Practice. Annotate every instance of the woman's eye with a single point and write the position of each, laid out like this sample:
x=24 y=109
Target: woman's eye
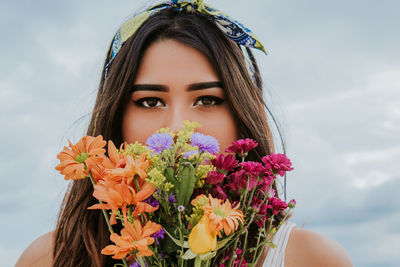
x=148 y=102
x=208 y=101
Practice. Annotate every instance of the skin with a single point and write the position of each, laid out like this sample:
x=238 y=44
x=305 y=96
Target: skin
x=176 y=66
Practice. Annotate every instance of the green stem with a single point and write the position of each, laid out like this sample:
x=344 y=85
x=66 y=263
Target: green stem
x=137 y=184
x=181 y=236
x=231 y=258
x=258 y=242
x=264 y=243
x=197 y=262
x=141 y=261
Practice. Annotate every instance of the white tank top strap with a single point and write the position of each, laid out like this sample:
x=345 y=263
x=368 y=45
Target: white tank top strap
x=276 y=256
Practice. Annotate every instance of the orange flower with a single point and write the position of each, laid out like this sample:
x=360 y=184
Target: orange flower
x=120 y=195
x=88 y=150
x=114 y=160
x=127 y=168
x=222 y=216
x=133 y=237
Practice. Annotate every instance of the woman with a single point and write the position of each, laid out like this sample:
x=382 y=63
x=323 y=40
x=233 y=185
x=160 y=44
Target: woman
x=177 y=65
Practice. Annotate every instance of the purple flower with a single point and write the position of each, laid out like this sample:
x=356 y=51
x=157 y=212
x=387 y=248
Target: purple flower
x=152 y=201
x=186 y=155
x=159 y=142
x=136 y=264
x=171 y=198
x=158 y=234
x=206 y=143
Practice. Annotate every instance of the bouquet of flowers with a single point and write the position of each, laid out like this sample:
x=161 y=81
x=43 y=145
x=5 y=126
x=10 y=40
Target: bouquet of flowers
x=179 y=201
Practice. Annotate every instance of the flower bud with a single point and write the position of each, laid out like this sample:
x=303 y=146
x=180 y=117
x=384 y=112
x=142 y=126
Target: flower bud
x=292 y=203
x=201 y=239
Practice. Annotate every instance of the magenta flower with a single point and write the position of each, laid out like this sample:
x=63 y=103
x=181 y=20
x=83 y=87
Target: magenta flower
x=278 y=163
x=218 y=192
x=227 y=163
x=239 y=181
x=252 y=168
x=236 y=262
x=260 y=220
x=276 y=205
x=214 y=177
x=241 y=146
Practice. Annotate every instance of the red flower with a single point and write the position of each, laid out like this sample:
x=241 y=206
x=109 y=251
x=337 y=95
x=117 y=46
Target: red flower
x=218 y=192
x=239 y=180
x=214 y=177
x=252 y=168
x=276 y=205
x=225 y=162
x=242 y=146
x=278 y=163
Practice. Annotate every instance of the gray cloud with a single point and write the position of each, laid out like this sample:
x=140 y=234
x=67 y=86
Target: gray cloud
x=333 y=75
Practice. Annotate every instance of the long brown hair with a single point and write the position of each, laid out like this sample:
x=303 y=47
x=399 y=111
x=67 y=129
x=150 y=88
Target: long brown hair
x=80 y=234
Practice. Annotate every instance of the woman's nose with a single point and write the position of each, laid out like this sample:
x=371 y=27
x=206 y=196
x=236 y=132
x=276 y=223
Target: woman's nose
x=175 y=117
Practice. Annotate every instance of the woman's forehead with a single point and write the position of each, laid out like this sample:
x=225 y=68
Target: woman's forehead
x=169 y=61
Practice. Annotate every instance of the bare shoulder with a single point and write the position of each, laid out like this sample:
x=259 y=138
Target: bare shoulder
x=308 y=248
x=39 y=252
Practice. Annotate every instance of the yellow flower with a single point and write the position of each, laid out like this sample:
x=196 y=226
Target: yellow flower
x=202 y=239
x=202 y=170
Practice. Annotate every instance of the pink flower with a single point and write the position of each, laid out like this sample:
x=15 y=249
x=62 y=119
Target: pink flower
x=239 y=180
x=276 y=205
x=260 y=220
x=278 y=163
x=227 y=163
x=252 y=168
x=264 y=185
x=242 y=146
x=214 y=177
x=236 y=261
x=218 y=192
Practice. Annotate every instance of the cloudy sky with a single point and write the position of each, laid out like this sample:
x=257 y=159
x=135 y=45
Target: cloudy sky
x=333 y=79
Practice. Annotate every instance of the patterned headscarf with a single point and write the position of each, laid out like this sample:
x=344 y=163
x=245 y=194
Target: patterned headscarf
x=229 y=26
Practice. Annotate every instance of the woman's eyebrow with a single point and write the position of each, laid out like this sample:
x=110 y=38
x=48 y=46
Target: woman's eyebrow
x=164 y=88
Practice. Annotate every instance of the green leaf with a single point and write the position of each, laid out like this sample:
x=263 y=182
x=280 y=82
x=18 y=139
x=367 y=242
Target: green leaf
x=208 y=256
x=177 y=241
x=272 y=245
x=223 y=242
x=189 y=255
x=187 y=182
x=169 y=173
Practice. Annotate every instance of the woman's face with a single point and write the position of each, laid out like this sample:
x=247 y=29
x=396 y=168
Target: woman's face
x=174 y=83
